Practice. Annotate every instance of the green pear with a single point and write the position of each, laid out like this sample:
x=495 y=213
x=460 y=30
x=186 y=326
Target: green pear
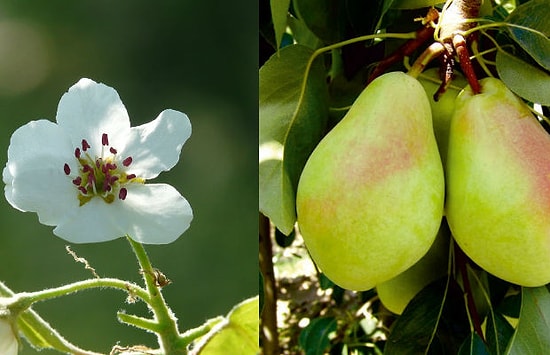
x=442 y=110
x=498 y=184
x=370 y=198
x=397 y=292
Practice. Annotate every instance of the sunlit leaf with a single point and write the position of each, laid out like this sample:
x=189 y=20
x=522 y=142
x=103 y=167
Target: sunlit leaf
x=534 y=15
x=532 y=334
x=525 y=80
x=236 y=334
x=314 y=339
x=293 y=114
x=279 y=11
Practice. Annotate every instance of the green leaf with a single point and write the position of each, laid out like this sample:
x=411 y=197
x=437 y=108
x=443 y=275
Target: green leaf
x=525 y=80
x=473 y=345
x=322 y=17
x=532 y=334
x=433 y=322
x=279 y=11
x=236 y=334
x=533 y=14
x=293 y=115
x=314 y=339
x=498 y=333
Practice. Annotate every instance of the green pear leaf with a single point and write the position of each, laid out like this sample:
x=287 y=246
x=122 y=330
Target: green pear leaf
x=532 y=334
x=236 y=334
x=525 y=80
x=322 y=17
x=473 y=345
x=314 y=339
x=498 y=333
x=293 y=115
x=279 y=11
x=533 y=15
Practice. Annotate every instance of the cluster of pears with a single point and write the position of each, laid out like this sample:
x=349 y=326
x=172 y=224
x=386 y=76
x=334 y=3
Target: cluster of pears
x=373 y=193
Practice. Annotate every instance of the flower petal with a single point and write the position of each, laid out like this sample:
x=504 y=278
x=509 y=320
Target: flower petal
x=90 y=109
x=157 y=214
x=8 y=341
x=150 y=214
x=34 y=176
x=156 y=146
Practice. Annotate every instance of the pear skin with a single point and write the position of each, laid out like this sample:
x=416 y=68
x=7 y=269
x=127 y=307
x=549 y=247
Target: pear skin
x=498 y=185
x=370 y=197
x=396 y=293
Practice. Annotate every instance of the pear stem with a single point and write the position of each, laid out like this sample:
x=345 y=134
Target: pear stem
x=462 y=262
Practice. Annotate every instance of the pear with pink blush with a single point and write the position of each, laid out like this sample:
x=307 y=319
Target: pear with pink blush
x=370 y=197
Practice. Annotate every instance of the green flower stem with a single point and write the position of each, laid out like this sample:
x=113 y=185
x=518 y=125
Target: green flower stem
x=40 y=333
x=139 y=322
x=192 y=334
x=23 y=300
x=168 y=334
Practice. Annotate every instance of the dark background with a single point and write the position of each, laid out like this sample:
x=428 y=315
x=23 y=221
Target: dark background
x=198 y=57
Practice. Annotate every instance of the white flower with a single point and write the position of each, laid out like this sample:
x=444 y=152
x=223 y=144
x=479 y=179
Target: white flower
x=8 y=342
x=86 y=173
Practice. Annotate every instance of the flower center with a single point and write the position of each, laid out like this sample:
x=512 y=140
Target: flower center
x=104 y=176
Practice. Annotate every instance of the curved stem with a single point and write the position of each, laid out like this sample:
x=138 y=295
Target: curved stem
x=168 y=335
x=23 y=300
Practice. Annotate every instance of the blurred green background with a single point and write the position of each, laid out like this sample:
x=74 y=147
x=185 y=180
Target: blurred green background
x=199 y=57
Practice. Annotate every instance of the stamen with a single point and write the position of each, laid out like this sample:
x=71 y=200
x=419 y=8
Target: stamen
x=77 y=153
x=67 y=169
x=130 y=176
x=77 y=181
x=113 y=150
x=85 y=145
x=122 y=193
x=104 y=139
x=126 y=162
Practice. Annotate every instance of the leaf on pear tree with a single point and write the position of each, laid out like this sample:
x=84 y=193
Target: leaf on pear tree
x=279 y=11
x=534 y=15
x=314 y=338
x=322 y=17
x=525 y=80
x=293 y=115
x=235 y=334
x=498 y=333
x=433 y=322
x=532 y=334
x=473 y=345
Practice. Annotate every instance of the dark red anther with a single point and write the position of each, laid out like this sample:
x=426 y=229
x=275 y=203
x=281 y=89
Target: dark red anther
x=122 y=193
x=130 y=176
x=77 y=153
x=86 y=168
x=104 y=139
x=113 y=179
x=85 y=145
x=67 y=169
x=112 y=150
x=106 y=185
x=77 y=181
x=126 y=162
x=111 y=166
x=83 y=190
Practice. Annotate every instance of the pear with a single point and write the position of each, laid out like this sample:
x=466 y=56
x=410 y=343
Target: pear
x=397 y=292
x=370 y=197
x=442 y=110
x=498 y=184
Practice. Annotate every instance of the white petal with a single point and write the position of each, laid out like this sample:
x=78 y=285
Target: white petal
x=34 y=176
x=156 y=214
x=156 y=146
x=92 y=222
x=8 y=341
x=90 y=109
x=150 y=214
